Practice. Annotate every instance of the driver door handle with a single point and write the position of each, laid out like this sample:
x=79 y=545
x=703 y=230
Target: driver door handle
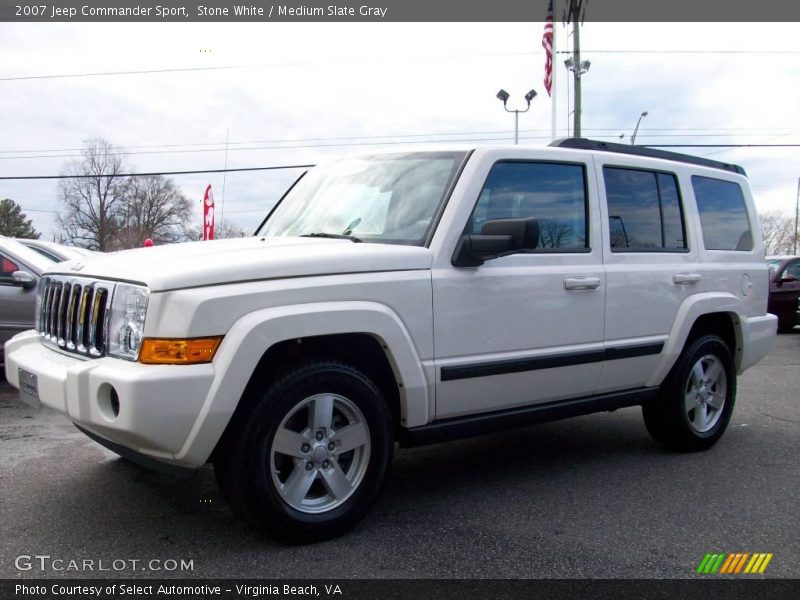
x=581 y=283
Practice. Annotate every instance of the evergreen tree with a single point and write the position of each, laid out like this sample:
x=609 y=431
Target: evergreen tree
x=14 y=223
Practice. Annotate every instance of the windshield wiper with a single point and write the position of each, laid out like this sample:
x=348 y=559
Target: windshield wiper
x=337 y=236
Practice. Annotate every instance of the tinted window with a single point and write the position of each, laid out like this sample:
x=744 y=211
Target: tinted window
x=7 y=268
x=553 y=193
x=793 y=269
x=723 y=215
x=644 y=210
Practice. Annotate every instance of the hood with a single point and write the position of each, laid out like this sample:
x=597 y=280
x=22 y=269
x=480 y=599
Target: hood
x=195 y=264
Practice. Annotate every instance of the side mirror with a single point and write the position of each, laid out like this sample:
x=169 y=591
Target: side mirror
x=497 y=238
x=787 y=278
x=23 y=279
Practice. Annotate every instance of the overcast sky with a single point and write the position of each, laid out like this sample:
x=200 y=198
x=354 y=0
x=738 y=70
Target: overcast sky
x=298 y=93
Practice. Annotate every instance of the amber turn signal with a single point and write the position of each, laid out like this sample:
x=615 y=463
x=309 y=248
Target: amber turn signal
x=178 y=352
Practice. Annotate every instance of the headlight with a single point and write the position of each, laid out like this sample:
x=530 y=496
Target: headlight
x=126 y=322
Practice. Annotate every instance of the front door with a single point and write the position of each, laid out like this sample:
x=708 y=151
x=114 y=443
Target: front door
x=525 y=328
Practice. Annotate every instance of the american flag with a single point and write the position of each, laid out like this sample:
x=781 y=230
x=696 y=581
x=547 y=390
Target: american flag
x=547 y=44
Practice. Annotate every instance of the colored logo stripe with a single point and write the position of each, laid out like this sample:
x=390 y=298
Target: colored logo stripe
x=734 y=563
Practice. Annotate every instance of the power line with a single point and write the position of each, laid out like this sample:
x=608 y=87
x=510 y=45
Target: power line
x=105 y=73
x=684 y=51
x=308 y=166
x=252 y=66
x=197 y=172
x=290 y=146
x=290 y=140
x=756 y=131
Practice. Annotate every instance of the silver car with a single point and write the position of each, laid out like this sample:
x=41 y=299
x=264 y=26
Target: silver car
x=20 y=269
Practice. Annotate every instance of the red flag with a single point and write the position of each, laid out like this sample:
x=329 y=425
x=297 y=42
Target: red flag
x=547 y=44
x=208 y=214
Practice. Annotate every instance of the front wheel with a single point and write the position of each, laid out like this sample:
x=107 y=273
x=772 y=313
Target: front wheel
x=696 y=399
x=308 y=458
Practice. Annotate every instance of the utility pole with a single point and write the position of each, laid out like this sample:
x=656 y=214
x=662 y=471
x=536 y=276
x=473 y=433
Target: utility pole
x=574 y=63
x=576 y=57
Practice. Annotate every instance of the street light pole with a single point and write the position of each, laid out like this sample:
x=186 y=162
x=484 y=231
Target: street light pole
x=504 y=96
x=636 y=130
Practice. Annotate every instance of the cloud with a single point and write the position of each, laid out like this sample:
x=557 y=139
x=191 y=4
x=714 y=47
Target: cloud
x=321 y=82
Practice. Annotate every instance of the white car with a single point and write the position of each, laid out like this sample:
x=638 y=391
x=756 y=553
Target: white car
x=412 y=298
x=54 y=251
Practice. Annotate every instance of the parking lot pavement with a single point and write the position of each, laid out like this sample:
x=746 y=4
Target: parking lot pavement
x=589 y=497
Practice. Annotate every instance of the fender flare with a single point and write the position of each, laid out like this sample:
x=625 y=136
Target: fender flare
x=253 y=334
x=692 y=308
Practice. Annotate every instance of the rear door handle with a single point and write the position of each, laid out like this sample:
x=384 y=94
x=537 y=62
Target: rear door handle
x=686 y=278
x=581 y=283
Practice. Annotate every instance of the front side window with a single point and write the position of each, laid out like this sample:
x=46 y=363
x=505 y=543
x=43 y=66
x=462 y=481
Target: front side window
x=723 y=215
x=552 y=193
x=7 y=268
x=385 y=199
x=644 y=210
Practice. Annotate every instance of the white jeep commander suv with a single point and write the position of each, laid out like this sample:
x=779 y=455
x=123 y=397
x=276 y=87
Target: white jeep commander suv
x=414 y=298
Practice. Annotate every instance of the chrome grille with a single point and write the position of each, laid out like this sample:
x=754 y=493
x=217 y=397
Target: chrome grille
x=73 y=313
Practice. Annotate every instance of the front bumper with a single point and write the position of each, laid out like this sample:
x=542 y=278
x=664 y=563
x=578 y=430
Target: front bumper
x=158 y=405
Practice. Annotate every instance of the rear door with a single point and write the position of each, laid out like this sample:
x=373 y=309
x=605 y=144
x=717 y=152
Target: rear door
x=650 y=265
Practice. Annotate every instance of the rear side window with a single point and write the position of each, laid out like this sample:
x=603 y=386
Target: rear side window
x=644 y=211
x=723 y=215
x=553 y=193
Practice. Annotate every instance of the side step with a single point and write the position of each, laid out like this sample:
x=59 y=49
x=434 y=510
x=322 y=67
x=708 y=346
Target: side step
x=456 y=428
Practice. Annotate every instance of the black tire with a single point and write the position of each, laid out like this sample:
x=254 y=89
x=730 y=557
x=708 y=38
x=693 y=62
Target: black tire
x=243 y=461
x=785 y=327
x=667 y=419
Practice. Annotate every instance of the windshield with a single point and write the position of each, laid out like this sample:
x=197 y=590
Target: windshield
x=387 y=199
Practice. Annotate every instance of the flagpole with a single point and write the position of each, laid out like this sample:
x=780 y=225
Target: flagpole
x=553 y=104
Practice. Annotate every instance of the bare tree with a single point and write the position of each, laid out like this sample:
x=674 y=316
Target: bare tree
x=553 y=234
x=94 y=201
x=227 y=229
x=154 y=208
x=777 y=229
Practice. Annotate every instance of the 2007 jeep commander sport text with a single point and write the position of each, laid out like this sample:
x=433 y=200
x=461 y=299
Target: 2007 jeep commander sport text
x=412 y=298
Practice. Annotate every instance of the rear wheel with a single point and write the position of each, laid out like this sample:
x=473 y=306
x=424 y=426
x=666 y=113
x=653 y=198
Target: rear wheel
x=697 y=398
x=308 y=459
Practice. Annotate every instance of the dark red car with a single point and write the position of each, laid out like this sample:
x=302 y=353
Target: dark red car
x=784 y=290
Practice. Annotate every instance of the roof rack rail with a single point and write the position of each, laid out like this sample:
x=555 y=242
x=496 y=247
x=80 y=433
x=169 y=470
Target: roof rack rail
x=587 y=144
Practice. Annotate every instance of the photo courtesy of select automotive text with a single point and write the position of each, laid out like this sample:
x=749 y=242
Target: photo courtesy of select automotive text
x=399 y=300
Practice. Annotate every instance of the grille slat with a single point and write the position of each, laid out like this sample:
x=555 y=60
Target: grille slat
x=73 y=314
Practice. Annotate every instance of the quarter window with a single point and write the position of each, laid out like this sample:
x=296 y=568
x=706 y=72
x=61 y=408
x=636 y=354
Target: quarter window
x=644 y=210
x=723 y=215
x=552 y=193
